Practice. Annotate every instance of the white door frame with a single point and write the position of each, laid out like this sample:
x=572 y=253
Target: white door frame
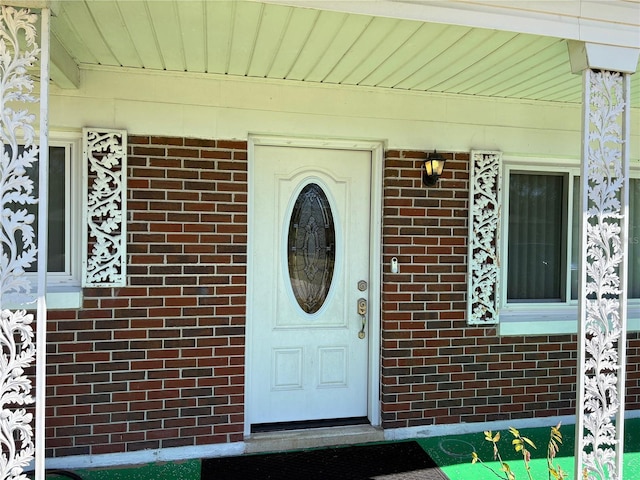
x=375 y=239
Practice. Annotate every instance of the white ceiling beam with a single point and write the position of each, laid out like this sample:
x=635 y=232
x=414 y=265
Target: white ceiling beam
x=64 y=70
x=602 y=57
x=572 y=20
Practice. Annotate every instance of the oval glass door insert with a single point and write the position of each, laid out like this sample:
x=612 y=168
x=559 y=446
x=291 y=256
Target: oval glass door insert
x=311 y=248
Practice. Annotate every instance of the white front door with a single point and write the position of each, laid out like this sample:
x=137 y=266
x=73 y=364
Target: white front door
x=309 y=340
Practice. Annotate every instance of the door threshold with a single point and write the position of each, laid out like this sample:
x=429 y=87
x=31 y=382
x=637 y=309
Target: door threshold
x=307 y=424
x=312 y=438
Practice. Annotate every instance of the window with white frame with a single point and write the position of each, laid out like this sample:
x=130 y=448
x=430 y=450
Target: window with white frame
x=540 y=243
x=64 y=222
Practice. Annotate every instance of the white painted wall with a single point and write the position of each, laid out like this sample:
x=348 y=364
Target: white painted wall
x=207 y=106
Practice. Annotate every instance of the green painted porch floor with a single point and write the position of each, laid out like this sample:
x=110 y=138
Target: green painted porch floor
x=452 y=453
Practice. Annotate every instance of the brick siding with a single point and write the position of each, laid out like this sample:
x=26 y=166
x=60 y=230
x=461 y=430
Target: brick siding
x=436 y=369
x=160 y=363
x=632 y=399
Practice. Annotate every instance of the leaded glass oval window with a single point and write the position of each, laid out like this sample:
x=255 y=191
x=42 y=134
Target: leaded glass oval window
x=311 y=248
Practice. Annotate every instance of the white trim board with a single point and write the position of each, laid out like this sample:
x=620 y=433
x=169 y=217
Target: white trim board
x=613 y=23
x=143 y=457
x=238 y=448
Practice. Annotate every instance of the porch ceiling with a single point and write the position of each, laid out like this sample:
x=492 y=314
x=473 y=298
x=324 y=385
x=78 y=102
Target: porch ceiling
x=267 y=40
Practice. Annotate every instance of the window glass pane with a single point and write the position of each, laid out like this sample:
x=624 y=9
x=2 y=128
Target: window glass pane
x=57 y=209
x=311 y=248
x=634 y=239
x=535 y=240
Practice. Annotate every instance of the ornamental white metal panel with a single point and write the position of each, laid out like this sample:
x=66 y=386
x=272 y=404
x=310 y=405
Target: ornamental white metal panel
x=485 y=170
x=18 y=158
x=16 y=433
x=603 y=301
x=104 y=232
x=19 y=154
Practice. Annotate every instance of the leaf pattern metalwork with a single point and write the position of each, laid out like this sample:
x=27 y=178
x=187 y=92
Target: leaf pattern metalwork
x=602 y=332
x=17 y=353
x=17 y=234
x=484 y=221
x=18 y=52
x=105 y=154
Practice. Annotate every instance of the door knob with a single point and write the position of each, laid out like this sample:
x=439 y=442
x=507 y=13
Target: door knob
x=362 y=311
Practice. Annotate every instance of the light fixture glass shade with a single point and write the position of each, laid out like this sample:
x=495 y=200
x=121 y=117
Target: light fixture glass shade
x=433 y=167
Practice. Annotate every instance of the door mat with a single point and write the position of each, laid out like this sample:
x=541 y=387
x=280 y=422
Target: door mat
x=384 y=461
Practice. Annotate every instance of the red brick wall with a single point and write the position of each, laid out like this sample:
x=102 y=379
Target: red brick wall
x=160 y=363
x=435 y=368
x=632 y=401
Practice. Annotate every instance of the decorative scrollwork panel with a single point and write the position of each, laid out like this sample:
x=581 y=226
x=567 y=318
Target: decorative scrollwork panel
x=602 y=333
x=19 y=52
x=18 y=353
x=104 y=234
x=484 y=223
x=19 y=153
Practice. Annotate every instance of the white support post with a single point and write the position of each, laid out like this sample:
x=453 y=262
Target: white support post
x=18 y=248
x=603 y=294
x=43 y=229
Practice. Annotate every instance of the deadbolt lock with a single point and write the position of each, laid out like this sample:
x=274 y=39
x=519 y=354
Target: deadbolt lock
x=362 y=306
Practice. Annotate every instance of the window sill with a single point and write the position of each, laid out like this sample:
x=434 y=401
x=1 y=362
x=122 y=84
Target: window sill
x=58 y=298
x=551 y=321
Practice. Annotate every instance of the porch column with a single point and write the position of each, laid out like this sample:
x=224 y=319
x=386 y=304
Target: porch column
x=606 y=72
x=20 y=154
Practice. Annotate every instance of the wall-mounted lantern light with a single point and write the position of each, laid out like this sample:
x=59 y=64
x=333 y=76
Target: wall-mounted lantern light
x=432 y=168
